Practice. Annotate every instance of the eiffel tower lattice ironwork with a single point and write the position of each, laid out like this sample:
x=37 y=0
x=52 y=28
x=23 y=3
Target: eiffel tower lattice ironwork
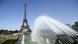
x=25 y=26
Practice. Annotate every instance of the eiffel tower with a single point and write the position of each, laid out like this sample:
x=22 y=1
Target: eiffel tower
x=25 y=26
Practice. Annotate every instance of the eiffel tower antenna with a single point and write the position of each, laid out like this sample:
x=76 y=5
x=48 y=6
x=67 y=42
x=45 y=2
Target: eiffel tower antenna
x=25 y=9
x=25 y=26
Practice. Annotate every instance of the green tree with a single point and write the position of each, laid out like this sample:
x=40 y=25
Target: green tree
x=75 y=26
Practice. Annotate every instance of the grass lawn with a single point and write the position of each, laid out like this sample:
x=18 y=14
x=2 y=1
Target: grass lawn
x=3 y=38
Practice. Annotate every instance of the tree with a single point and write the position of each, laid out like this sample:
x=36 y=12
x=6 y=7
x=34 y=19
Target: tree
x=75 y=26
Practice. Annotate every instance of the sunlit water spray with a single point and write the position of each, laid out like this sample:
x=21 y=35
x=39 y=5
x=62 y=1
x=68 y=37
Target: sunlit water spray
x=23 y=41
x=45 y=30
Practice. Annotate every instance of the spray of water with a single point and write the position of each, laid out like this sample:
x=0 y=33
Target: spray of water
x=45 y=30
x=22 y=41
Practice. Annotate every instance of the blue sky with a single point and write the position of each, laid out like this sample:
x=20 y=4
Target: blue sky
x=12 y=11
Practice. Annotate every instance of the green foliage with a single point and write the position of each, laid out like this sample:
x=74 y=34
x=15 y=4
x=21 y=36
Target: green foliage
x=2 y=31
x=75 y=26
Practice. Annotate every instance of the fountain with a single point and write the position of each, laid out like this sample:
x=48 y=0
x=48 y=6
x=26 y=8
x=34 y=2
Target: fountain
x=47 y=30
